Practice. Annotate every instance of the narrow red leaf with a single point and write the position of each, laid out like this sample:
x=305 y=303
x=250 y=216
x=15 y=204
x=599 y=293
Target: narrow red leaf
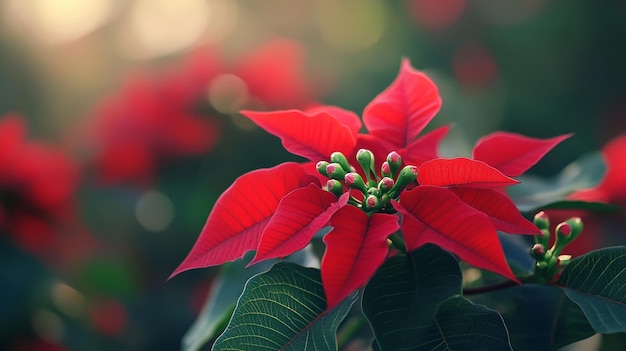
x=298 y=217
x=314 y=137
x=513 y=154
x=461 y=171
x=499 y=208
x=436 y=215
x=355 y=248
x=345 y=117
x=401 y=111
x=425 y=148
x=241 y=213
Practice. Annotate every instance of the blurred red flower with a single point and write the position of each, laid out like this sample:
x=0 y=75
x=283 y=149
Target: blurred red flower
x=598 y=231
x=436 y=14
x=155 y=119
x=37 y=186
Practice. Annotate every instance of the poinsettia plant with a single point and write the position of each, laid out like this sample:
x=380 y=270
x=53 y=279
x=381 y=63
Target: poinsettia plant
x=437 y=252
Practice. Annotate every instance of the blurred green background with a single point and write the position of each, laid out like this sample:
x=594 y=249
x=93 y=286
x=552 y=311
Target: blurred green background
x=537 y=67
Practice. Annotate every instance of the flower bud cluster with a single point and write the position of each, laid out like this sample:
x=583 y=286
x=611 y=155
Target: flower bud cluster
x=551 y=262
x=377 y=189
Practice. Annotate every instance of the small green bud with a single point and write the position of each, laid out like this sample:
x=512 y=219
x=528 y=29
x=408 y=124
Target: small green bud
x=385 y=170
x=563 y=260
x=366 y=160
x=566 y=232
x=338 y=157
x=335 y=171
x=354 y=180
x=385 y=184
x=538 y=252
x=321 y=168
x=372 y=202
x=407 y=175
x=334 y=186
x=395 y=162
x=542 y=222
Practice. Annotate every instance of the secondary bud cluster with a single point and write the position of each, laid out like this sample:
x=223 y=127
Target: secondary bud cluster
x=377 y=189
x=551 y=262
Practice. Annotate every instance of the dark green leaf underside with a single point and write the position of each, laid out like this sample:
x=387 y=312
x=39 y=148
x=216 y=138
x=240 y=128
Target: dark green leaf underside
x=597 y=283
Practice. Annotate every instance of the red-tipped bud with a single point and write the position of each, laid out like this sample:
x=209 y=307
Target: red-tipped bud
x=338 y=157
x=385 y=170
x=566 y=232
x=538 y=252
x=321 y=168
x=366 y=160
x=334 y=186
x=395 y=162
x=542 y=222
x=354 y=180
x=407 y=175
x=385 y=184
x=564 y=229
x=563 y=260
x=372 y=202
x=335 y=171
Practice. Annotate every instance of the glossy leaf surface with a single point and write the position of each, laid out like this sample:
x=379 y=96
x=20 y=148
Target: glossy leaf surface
x=298 y=319
x=597 y=283
x=225 y=291
x=465 y=326
x=538 y=317
x=401 y=298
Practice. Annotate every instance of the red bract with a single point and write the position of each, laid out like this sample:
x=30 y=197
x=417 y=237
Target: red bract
x=454 y=203
x=156 y=119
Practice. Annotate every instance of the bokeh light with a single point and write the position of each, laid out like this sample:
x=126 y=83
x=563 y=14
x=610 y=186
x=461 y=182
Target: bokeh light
x=58 y=21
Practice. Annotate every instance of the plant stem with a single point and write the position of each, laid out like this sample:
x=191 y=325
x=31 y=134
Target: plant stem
x=348 y=330
x=499 y=286
x=397 y=242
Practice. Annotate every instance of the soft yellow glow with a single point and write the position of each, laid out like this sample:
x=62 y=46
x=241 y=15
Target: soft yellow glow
x=48 y=325
x=67 y=299
x=228 y=93
x=159 y=27
x=57 y=21
x=471 y=275
x=154 y=211
x=351 y=24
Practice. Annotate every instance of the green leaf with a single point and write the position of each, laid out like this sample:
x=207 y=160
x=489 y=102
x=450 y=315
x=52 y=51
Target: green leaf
x=466 y=326
x=220 y=304
x=535 y=193
x=284 y=309
x=400 y=300
x=597 y=283
x=538 y=317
